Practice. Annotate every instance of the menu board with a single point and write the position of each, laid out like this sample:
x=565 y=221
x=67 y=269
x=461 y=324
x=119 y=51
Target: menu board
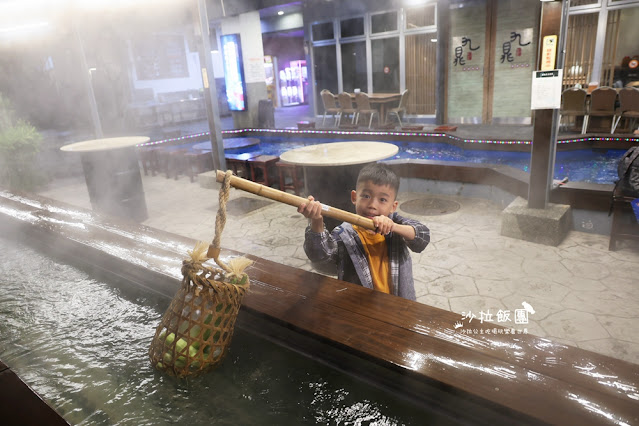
x=234 y=72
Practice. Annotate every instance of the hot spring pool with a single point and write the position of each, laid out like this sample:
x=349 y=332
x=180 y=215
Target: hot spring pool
x=82 y=345
x=585 y=165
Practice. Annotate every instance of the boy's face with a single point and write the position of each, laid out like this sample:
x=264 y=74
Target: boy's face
x=374 y=200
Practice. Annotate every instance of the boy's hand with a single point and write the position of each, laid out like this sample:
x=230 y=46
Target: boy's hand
x=312 y=209
x=383 y=224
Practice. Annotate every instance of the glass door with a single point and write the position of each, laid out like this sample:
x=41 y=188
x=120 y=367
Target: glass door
x=354 y=75
x=324 y=60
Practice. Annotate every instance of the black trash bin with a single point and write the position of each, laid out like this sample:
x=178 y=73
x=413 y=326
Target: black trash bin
x=266 y=114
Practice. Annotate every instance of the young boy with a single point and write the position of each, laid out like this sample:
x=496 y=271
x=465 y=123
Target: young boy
x=377 y=260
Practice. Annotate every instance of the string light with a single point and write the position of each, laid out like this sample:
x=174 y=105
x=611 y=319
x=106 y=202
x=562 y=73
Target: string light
x=416 y=135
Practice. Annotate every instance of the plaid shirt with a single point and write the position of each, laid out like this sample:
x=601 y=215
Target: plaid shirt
x=344 y=247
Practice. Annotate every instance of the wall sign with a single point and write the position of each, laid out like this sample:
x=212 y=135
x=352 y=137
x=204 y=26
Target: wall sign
x=516 y=50
x=467 y=54
x=549 y=53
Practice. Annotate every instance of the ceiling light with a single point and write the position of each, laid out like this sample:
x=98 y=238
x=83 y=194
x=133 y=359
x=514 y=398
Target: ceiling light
x=281 y=12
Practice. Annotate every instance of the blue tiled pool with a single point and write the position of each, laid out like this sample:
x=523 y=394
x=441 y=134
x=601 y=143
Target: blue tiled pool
x=586 y=165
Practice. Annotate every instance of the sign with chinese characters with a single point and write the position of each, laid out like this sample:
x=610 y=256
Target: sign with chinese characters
x=548 y=53
x=468 y=55
x=504 y=318
x=516 y=50
x=546 y=89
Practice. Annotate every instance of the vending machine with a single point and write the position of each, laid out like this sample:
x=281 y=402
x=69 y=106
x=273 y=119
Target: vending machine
x=294 y=83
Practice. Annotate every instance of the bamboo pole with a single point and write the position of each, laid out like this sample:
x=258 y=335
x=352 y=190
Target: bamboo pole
x=294 y=200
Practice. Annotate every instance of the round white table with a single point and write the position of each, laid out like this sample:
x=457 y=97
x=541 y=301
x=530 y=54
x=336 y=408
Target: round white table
x=340 y=153
x=331 y=169
x=112 y=173
x=106 y=144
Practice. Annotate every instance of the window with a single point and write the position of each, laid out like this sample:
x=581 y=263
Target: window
x=384 y=22
x=354 y=66
x=580 y=49
x=352 y=27
x=620 y=49
x=421 y=73
x=385 y=55
x=419 y=17
x=574 y=3
x=160 y=56
x=323 y=31
x=324 y=60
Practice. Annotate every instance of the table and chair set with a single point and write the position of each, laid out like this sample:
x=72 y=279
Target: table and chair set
x=602 y=103
x=356 y=105
x=192 y=159
x=175 y=160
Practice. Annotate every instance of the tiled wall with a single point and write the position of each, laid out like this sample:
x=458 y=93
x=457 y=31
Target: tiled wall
x=466 y=62
x=514 y=56
x=513 y=76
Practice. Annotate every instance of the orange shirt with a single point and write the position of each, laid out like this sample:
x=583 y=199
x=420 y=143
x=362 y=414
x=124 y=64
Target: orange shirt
x=377 y=255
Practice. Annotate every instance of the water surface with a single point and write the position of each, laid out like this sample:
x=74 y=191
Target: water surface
x=584 y=165
x=82 y=344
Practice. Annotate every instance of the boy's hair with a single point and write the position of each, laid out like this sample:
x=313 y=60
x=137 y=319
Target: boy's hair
x=379 y=174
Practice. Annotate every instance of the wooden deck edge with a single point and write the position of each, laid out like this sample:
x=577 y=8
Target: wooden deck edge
x=295 y=299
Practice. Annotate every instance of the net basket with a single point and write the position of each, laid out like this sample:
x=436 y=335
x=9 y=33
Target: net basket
x=195 y=332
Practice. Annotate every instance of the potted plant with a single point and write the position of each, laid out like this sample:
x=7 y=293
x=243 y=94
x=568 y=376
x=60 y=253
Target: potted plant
x=19 y=146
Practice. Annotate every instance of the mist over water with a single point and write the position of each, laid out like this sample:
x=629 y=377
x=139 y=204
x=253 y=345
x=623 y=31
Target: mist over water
x=82 y=345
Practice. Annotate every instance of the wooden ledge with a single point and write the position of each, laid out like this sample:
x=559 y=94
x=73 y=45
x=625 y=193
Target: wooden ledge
x=500 y=377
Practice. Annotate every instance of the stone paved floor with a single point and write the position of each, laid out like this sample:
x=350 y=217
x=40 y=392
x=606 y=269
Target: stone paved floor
x=583 y=295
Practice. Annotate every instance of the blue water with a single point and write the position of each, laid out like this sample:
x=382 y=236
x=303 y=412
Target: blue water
x=82 y=344
x=585 y=165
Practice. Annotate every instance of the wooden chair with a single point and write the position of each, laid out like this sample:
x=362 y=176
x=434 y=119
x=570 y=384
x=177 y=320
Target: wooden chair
x=294 y=172
x=239 y=164
x=173 y=162
x=401 y=108
x=628 y=107
x=149 y=159
x=573 y=104
x=364 y=107
x=261 y=167
x=197 y=162
x=602 y=104
x=346 y=106
x=624 y=223
x=330 y=106
x=303 y=125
